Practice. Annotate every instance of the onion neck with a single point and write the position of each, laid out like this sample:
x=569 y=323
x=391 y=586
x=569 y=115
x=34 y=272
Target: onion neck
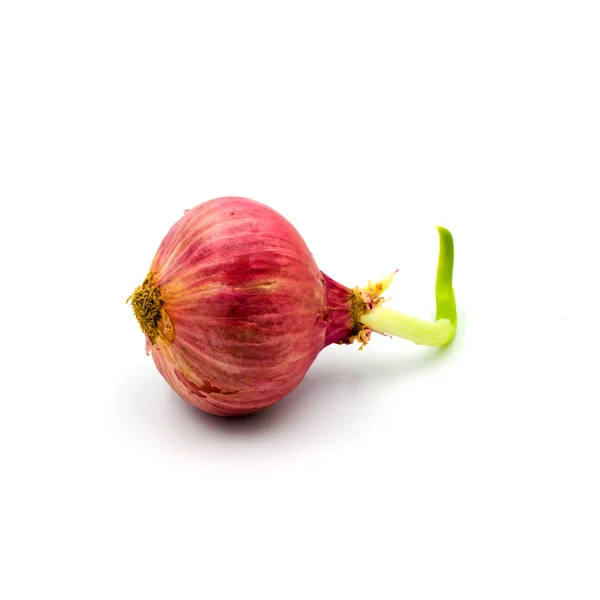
x=342 y=315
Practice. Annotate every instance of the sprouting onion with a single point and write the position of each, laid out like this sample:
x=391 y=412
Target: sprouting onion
x=235 y=310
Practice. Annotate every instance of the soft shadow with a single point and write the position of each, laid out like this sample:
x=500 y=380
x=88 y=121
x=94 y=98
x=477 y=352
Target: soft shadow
x=342 y=393
x=331 y=386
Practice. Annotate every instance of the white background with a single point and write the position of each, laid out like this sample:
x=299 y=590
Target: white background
x=396 y=472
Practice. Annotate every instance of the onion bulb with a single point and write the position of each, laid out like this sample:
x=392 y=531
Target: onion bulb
x=235 y=310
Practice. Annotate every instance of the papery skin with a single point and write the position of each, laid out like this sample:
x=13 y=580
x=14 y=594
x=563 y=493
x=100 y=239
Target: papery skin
x=246 y=310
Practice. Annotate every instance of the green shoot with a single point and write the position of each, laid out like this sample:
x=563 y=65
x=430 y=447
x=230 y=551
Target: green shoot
x=426 y=333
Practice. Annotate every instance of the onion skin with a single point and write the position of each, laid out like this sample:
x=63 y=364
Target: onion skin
x=243 y=309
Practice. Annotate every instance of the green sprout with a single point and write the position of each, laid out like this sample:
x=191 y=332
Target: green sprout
x=426 y=333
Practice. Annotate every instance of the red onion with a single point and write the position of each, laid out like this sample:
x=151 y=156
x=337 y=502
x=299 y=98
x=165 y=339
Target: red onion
x=235 y=309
